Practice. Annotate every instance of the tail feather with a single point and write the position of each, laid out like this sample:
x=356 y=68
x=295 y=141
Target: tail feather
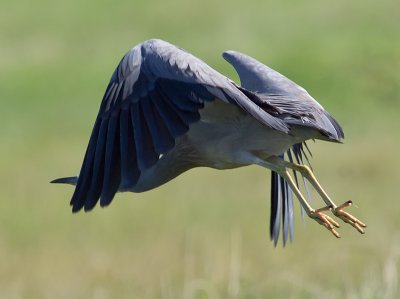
x=71 y=180
x=276 y=207
x=282 y=197
x=281 y=209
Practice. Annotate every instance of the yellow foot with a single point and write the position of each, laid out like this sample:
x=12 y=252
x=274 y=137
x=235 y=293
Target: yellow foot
x=348 y=218
x=325 y=220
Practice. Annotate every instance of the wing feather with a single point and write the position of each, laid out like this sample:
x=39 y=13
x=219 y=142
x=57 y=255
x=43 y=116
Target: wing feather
x=153 y=97
x=296 y=105
x=90 y=199
x=86 y=170
x=129 y=166
x=172 y=121
x=163 y=141
x=112 y=166
x=146 y=155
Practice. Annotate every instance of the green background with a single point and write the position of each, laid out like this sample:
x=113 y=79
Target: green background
x=205 y=234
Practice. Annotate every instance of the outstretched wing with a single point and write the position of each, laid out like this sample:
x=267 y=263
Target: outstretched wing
x=296 y=105
x=155 y=93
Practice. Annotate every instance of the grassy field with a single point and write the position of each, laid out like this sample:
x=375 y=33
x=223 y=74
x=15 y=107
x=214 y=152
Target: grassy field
x=205 y=234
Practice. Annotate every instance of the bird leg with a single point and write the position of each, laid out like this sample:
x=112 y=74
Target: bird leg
x=318 y=214
x=348 y=218
x=338 y=211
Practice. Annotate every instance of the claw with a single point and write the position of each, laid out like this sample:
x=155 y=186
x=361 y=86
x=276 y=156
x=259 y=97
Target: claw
x=348 y=218
x=325 y=220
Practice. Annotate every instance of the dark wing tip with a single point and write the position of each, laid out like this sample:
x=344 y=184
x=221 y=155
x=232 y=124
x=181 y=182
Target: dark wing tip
x=337 y=127
x=76 y=208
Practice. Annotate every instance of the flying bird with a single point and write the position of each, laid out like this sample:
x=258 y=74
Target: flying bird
x=165 y=111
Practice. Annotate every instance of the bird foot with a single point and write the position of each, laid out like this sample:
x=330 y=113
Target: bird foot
x=325 y=220
x=348 y=218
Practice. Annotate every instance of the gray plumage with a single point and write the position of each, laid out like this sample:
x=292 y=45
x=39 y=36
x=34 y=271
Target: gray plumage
x=166 y=111
x=298 y=110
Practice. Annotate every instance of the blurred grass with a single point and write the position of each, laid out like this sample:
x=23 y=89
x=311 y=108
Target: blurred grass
x=204 y=235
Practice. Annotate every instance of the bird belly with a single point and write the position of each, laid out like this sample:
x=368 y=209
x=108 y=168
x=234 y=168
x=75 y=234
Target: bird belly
x=229 y=144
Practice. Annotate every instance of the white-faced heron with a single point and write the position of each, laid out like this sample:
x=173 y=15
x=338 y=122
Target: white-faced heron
x=166 y=111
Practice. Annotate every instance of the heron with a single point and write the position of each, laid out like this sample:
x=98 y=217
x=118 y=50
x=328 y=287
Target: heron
x=166 y=111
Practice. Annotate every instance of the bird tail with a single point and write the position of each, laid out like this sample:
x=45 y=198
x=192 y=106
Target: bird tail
x=72 y=180
x=281 y=209
x=282 y=196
